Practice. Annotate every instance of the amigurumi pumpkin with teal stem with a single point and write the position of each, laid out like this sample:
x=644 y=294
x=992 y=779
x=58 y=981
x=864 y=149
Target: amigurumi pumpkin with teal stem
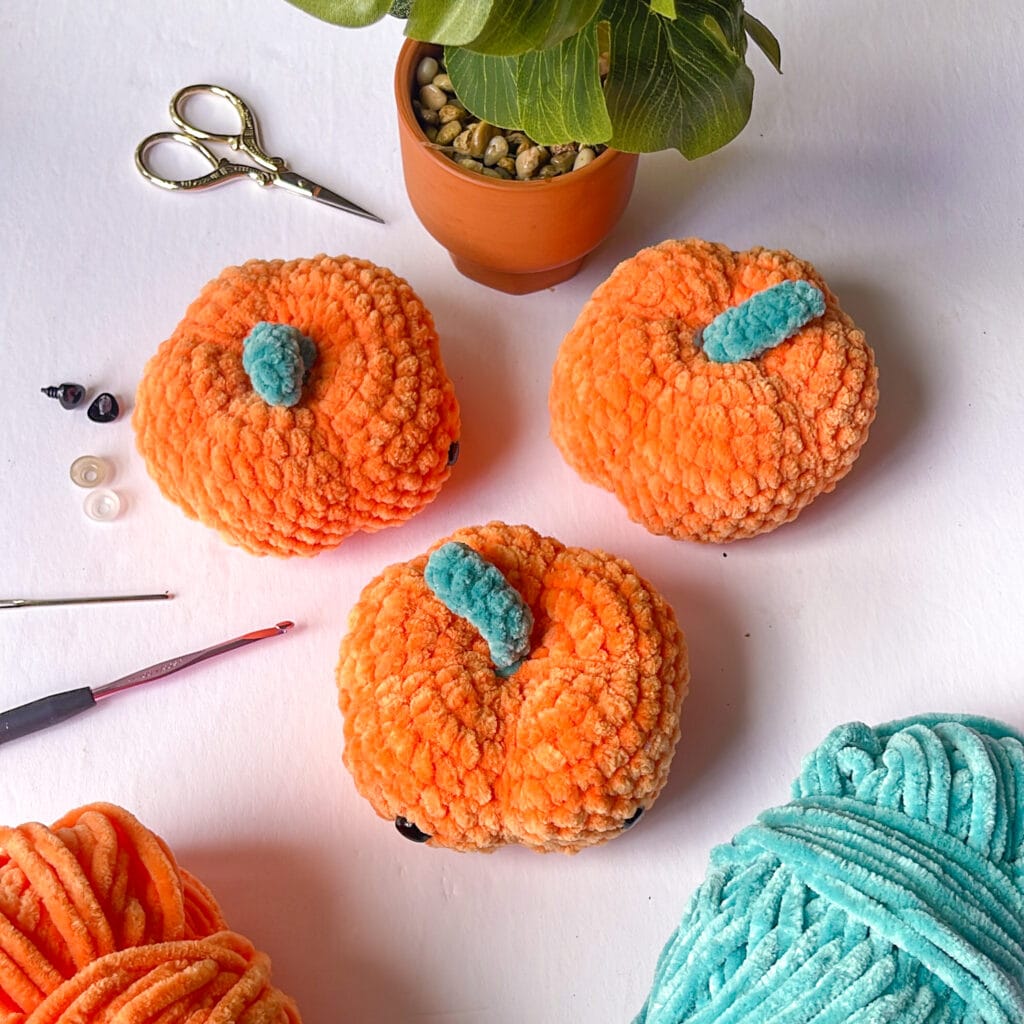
x=715 y=393
x=505 y=688
x=299 y=402
x=890 y=890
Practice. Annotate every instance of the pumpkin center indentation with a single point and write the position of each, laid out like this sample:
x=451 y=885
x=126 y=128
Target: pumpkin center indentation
x=278 y=359
x=471 y=587
x=765 y=320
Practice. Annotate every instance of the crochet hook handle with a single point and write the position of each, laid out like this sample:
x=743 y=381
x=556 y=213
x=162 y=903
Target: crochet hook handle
x=46 y=711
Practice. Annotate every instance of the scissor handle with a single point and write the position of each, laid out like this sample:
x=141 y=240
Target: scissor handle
x=247 y=140
x=223 y=170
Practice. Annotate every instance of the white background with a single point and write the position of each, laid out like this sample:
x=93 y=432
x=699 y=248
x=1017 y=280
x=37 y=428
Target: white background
x=889 y=154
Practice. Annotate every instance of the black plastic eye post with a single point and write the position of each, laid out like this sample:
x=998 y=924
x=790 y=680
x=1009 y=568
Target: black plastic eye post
x=633 y=818
x=69 y=395
x=407 y=830
x=453 y=453
x=104 y=408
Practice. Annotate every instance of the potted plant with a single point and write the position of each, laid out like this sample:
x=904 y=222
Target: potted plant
x=632 y=75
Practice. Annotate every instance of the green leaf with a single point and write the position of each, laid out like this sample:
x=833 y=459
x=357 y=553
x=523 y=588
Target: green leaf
x=449 y=22
x=349 y=13
x=564 y=83
x=526 y=25
x=679 y=83
x=666 y=8
x=765 y=39
x=486 y=85
x=400 y=8
x=553 y=95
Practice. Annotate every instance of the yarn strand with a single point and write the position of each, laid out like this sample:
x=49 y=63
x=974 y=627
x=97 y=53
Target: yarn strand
x=890 y=890
x=98 y=925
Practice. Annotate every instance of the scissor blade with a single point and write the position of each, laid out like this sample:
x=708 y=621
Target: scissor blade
x=326 y=196
x=297 y=183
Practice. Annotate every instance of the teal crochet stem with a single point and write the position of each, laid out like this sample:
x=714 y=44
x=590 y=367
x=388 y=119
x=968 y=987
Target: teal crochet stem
x=277 y=358
x=765 y=320
x=890 y=890
x=472 y=587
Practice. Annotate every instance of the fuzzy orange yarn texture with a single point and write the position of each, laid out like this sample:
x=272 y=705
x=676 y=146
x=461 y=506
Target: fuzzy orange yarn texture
x=99 y=925
x=367 y=445
x=703 y=450
x=563 y=753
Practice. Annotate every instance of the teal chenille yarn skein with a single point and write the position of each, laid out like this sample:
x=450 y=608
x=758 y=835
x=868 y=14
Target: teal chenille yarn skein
x=890 y=890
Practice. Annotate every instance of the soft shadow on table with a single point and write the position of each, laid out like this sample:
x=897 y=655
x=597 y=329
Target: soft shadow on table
x=904 y=405
x=278 y=898
x=668 y=192
x=477 y=359
x=714 y=712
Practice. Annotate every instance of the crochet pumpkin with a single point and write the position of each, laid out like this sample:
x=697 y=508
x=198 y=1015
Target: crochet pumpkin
x=505 y=688
x=715 y=393
x=890 y=890
x=297 y=403
x=99 y=925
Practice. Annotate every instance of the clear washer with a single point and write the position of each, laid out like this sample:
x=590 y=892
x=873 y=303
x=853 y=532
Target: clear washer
x=102 y=506
x=90 y=471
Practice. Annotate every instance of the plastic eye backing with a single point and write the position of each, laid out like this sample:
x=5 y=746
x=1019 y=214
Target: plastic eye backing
x=633 y=818
x=90 y=471
x=102 y=506
x=407 y=830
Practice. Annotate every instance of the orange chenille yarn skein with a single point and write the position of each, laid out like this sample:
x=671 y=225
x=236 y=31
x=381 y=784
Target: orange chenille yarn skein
x=505 y=688
x=299 y=402
x=687 y=390
x=99 y=925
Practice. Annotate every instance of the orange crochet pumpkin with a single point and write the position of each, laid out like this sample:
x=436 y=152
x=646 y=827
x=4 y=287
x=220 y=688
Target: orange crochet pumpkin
x=698 y=448
x=99 y=925
x=297 y=403
x=467 y=737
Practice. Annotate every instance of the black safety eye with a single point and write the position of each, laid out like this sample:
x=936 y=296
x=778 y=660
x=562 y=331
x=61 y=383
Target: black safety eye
x=453 y=453
x=69 y=395
x=633 y=818
x=408 y=830
x=104 y=408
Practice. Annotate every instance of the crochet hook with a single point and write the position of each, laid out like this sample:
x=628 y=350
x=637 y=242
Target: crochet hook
x=38 y=602
x=47 y=711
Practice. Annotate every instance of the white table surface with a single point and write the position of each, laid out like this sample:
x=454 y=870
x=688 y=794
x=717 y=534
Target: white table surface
x=888 y=154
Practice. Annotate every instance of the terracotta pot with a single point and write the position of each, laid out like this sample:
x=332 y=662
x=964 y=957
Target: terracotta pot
x=516 y=236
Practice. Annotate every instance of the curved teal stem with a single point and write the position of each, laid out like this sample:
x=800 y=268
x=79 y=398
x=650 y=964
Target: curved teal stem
x=765 y=320
x=473 y=588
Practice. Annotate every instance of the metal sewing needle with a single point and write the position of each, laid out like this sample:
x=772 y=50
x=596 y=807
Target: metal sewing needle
x=46 y=711
x=38 y=602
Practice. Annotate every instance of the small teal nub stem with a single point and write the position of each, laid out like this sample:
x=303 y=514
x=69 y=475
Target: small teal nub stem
x=278 y=358
x=471 y=587
x=765 y=320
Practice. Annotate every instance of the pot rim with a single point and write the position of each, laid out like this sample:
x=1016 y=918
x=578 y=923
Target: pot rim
x=404 y=70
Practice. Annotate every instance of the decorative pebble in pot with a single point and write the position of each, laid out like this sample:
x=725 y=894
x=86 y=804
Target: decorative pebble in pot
x=715 y=393
x=513 y=235
x=505 y=688
x=557 y=80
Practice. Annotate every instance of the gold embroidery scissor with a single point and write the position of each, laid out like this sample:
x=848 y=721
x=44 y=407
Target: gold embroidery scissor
x=270 y=170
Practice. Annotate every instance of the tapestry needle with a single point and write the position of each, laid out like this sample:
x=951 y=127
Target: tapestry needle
x=46 y=711
x=36 y=602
